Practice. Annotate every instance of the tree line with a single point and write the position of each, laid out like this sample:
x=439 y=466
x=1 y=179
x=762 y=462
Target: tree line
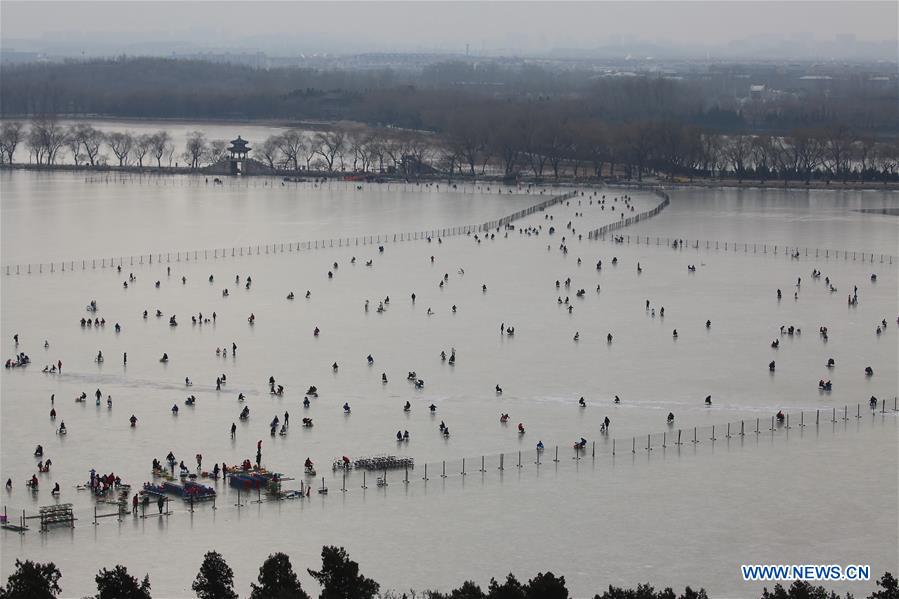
x=146 y=87
x=518 y=143
x=339 y=578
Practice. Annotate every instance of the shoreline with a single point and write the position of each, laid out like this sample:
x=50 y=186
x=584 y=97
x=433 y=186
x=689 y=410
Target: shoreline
x=815 y=185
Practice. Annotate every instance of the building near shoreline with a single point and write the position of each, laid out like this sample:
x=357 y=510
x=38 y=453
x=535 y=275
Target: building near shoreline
x=237 y=162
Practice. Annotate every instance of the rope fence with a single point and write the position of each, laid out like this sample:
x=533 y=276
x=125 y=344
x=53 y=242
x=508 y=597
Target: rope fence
x=606 y=448
x=601 y=232
x=276 y=248
x=675 y=437
x=788 y=251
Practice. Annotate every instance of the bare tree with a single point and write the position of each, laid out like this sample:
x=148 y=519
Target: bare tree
x=738 y=150
x=45 y=138
x=292 y=144
x=416 y=153
x=10 y=136
x=863 y=153
x=74 y=145
x=90 y=139
x=448 y=158
x=160 y=144
x=269 y=150
x=785 y=157
x=467 y=132
x=394 y=146
x=809 y=150
x=377 y=140
x=638 y=139
x=121 y=145
x=509 y=141
x=838 y=149
x=357 y=140
x=195 y=148
x=216 y=150
x=331 y=145
x=311 y=151
x=886 y=159
x=711 y=153
x=142 y=145
x=762 y=149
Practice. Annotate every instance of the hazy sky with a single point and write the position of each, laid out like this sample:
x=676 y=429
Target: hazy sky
x=494 y=26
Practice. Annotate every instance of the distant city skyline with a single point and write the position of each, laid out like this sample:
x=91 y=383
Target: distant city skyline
x=662 y=29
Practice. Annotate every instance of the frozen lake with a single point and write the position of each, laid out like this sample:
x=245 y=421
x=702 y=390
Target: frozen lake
x=152 y=213
x=651 y=516
x=815 y=218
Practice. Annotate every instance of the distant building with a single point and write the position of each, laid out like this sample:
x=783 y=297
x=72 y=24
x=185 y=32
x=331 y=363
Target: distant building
x=237 y=155
x=10 y=56
x=238 y=162
x=758 y=92
x=819 y=84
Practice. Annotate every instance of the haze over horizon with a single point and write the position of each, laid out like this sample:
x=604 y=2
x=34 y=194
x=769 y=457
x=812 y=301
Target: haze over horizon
x=662 y=29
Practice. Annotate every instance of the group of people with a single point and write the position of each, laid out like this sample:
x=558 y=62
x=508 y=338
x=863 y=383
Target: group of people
x=280 y=427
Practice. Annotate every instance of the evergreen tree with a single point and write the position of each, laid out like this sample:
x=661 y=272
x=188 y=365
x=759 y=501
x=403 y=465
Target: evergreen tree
x=340 y=578
x=215 y=580
x=118 y=584
x=468 y=590
x=277 y=580
x=32 y=580
x=546 y=586
x=801 y=589
x=511 y=589
x=889 y=588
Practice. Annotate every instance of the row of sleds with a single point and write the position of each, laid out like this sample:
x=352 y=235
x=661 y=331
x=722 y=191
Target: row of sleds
x=380 y=462
x=244 y=478
x=256 y=478
x=187 y=490
x=260 y=479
